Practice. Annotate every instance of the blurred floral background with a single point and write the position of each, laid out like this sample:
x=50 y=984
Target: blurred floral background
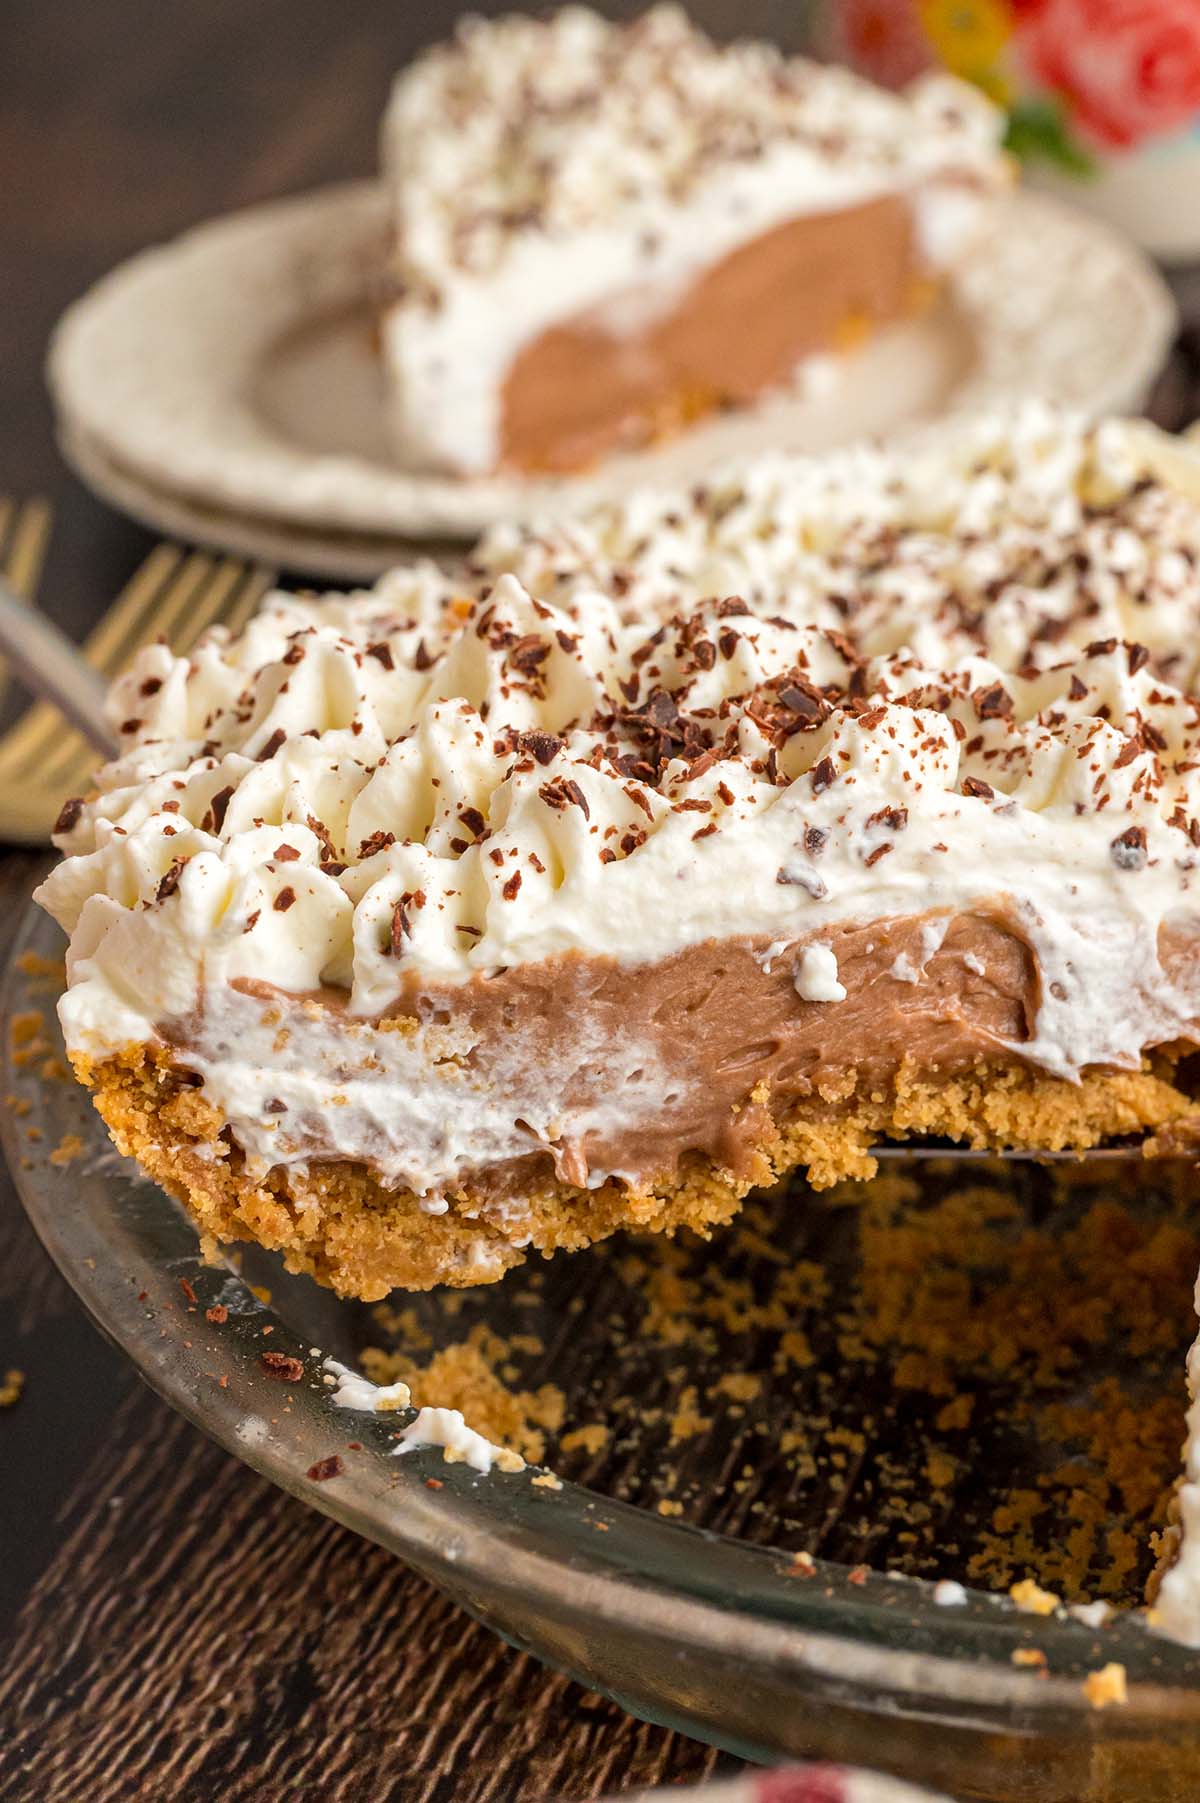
x=1104 y=94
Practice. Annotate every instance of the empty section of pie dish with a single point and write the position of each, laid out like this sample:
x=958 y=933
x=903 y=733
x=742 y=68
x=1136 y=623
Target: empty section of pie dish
x=421 y=928
x=603 y=233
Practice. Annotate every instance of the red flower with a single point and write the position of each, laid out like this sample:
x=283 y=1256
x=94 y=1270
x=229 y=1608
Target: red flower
x=1128 y=69
x=882 y=39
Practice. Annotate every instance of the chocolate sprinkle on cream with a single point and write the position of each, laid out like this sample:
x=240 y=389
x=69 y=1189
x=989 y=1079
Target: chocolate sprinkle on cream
x=1129 y=849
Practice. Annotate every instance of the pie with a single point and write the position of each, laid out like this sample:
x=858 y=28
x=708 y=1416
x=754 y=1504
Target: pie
x=474 y=915
x=603 y=233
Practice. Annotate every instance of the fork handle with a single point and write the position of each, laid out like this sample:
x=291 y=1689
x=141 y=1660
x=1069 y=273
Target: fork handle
x=49 y=664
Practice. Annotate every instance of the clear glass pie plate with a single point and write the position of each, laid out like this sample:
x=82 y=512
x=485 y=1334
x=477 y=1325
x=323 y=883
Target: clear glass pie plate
x=723 y=1634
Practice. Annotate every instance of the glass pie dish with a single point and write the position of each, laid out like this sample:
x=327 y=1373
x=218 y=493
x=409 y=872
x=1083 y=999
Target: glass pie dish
x=735 y=1636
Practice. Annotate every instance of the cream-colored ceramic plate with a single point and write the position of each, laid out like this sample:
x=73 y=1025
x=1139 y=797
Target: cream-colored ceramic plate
x=295 y=549
x=234 y=372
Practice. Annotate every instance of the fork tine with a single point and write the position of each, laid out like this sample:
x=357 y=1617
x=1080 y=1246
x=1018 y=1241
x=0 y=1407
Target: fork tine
x=128 y=623
x=189 y=601
x=168 y=614
x=24 y=536
x=209 y=605
x=178 y=599
x=27 y=550
x=126 y=618
x=259 y=581
x=174 y=607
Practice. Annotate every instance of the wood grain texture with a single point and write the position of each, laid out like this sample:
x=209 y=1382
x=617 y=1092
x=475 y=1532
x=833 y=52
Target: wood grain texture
x=173 y=1627
x=198 y=1634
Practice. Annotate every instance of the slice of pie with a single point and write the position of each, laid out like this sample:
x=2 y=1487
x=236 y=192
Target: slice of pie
x=418 y=929
x=603 y=233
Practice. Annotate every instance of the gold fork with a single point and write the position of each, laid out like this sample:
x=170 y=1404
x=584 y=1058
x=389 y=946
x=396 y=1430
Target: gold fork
x=175 y=595
x=24 y=536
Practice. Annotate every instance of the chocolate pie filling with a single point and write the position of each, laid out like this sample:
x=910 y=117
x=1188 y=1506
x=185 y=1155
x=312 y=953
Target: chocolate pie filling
x=725 y=1019
x=584 y=389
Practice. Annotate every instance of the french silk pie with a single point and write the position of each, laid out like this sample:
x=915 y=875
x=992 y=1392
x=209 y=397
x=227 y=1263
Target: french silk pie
x=712 y=836
x=602 y=233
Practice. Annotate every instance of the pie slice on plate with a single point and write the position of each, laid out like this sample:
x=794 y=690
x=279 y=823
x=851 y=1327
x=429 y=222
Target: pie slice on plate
x=603 y=233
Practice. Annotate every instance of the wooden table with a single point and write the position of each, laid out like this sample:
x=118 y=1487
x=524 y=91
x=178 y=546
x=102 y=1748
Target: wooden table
x=173 y=1627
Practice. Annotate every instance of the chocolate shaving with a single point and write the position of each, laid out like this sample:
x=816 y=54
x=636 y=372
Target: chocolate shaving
x=272 y=745
x=69 y=814
x=806 y=701
x=284 y=900
x=993 y=703
x=378 y=841
x=1128 y=849
x=544 y=746
x=218 y=807
x=320 y=831
x=528 y=654
x=562 y=793
x=577 y=795
x=326 y=1468
x=401 y=919
x=170 y=882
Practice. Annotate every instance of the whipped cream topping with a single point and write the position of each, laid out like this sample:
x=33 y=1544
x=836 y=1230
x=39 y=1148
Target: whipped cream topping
x=447 y=1428
x=1020 y=537
x=540 y=167
x=423 y=783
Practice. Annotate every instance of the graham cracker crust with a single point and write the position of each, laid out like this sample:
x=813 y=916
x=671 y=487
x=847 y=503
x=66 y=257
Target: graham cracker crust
x=339 y=1224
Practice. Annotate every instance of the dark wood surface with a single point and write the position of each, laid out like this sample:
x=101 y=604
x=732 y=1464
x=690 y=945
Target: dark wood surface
x=170 y=1625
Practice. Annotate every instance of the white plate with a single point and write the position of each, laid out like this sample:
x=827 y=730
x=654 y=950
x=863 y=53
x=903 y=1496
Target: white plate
x=234 y=371
x=291 y=549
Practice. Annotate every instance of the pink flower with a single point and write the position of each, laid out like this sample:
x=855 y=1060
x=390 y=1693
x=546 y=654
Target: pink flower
x=1128 y=69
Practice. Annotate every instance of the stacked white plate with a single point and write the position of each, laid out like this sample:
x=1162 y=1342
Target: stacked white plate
x=226 y=388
